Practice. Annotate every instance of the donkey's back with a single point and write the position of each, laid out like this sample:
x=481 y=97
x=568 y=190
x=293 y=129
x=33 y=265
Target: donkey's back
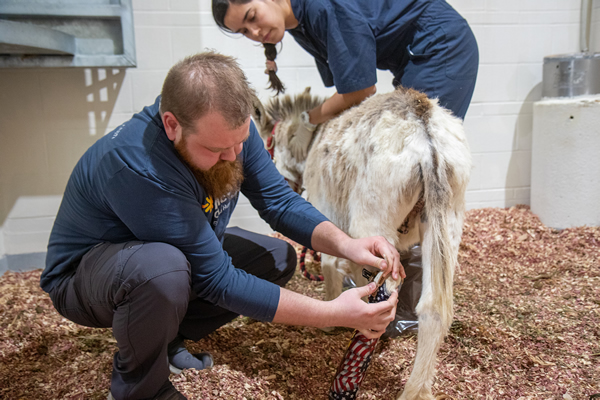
x=365 y=169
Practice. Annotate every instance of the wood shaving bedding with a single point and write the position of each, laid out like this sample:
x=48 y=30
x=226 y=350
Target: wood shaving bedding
x=526 y=326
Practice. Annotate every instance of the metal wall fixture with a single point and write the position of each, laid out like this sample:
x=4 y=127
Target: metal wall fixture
x=66 y=33
x=576 y=74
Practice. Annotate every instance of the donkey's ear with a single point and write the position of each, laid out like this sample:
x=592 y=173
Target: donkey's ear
x=307 y=90
x=258 y=111
x=260 y=117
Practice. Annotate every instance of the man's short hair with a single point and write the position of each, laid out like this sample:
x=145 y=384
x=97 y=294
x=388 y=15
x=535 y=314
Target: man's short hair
x=204 y=82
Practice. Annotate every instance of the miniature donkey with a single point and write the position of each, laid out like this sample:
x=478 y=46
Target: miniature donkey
x=397 y=166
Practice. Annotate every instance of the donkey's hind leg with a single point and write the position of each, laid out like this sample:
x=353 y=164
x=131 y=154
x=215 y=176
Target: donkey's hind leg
x=431 y=333
x=430 y=337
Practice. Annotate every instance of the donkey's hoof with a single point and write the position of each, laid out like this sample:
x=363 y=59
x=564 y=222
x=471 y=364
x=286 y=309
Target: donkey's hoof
x=423 y=395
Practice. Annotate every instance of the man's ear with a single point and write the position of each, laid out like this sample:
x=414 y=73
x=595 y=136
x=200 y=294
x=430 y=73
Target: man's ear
x=172 y=126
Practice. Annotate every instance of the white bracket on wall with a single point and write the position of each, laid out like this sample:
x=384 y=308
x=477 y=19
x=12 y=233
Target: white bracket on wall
x=66 y=33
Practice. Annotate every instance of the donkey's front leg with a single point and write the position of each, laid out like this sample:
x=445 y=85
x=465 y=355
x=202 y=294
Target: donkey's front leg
x=333 y=278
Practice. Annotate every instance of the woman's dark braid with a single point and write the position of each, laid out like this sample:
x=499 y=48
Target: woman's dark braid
x=271 y=54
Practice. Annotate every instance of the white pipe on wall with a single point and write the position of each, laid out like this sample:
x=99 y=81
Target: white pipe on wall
x=584 y=31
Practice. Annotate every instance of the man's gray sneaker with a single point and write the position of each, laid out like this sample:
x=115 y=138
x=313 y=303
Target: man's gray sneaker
x=180 y=358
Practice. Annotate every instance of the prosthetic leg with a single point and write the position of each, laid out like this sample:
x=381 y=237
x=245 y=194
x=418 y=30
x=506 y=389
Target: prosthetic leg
x=353 y=367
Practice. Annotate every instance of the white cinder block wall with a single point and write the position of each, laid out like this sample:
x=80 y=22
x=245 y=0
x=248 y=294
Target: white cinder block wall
x=48 y=117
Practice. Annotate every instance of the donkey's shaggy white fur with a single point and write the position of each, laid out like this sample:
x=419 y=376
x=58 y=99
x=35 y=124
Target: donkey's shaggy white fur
x=366 y=170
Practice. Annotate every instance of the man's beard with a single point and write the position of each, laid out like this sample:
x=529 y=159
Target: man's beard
x=224 y=179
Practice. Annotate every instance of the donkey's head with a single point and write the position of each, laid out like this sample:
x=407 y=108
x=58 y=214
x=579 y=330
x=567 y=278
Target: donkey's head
x=277 y=122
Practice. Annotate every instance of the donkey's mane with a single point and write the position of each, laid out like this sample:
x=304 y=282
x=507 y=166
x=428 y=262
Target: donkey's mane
x=282 y=107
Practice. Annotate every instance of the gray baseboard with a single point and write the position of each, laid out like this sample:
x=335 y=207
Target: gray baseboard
x=22 y=262
x=3 y=265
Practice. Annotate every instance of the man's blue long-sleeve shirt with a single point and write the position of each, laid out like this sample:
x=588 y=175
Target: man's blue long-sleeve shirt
x=131 y=185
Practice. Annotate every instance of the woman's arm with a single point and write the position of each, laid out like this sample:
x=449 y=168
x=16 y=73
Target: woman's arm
x=338 y=103
x=334 y=105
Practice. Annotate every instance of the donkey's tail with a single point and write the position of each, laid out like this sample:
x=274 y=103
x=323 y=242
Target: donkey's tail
x=437 y=248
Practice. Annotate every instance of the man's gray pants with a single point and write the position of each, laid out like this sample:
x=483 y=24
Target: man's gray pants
x=143 y=291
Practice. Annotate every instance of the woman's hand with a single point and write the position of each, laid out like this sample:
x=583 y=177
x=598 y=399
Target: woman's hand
x=299 y=143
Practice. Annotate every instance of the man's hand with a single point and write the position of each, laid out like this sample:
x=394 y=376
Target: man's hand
x=374 y=250
x=369 y=319
x=347 y=310
x=377 y=252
